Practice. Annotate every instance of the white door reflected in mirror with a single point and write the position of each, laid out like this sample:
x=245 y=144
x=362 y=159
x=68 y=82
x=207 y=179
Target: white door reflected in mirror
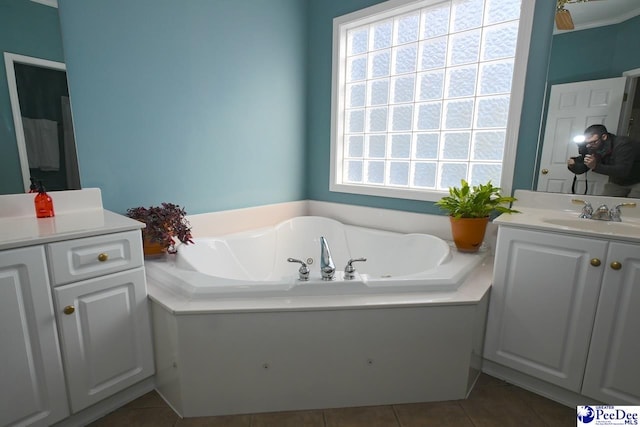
x=572 y=108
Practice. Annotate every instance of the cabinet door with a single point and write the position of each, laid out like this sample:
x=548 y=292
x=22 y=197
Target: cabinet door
x=106 y=335
x=32 y=389
x=613 y=372
x=543 y=302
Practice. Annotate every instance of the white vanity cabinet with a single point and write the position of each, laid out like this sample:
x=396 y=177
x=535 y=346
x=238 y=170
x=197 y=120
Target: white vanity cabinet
x=103 y=320
x=612 y=374
x=32 y=387
x=75 y=332
x=543 y=303
x=560 y=312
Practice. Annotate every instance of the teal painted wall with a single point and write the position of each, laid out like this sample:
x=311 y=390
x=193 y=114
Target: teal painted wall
x=321 y=14
x=199 y=102
x=30 y=29
x=598 y=53
x=204 y=104
x=534 y=95
x=627 y=55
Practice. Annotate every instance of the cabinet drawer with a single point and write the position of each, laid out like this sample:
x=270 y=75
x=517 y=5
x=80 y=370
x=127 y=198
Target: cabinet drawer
x=81 y=259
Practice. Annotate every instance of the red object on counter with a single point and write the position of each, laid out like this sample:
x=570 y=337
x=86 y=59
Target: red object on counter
x=44 y=203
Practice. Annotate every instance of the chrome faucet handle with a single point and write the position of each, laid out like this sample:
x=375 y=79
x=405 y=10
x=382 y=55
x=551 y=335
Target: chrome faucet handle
x=350 y=270
x=587 y=209
x=303 y=271
x=615 y=213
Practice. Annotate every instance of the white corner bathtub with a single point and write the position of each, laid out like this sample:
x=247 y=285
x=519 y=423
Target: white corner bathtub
x=254 y=263
x=235 y=331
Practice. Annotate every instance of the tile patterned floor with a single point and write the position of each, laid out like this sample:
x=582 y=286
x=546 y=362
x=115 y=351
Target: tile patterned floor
x=492 y=403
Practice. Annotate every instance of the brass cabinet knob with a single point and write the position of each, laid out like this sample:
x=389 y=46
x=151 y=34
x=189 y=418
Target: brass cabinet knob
x=544 y=171
x=103 y=257
x=595 y=262
x=69 y=309
x=616 y=265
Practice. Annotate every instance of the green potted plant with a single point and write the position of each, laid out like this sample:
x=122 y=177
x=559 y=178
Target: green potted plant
x=470 y=209
x=164 y=225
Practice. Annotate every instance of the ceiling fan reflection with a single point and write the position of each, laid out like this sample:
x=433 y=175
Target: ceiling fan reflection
x=563 y=16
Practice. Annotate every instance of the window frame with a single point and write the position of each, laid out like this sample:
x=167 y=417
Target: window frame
x=389 y=9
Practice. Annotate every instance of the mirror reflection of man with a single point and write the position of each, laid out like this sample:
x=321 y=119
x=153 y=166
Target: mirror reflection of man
x=615 y=156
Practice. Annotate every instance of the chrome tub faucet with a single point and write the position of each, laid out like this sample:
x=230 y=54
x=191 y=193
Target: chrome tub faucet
x=327 y=267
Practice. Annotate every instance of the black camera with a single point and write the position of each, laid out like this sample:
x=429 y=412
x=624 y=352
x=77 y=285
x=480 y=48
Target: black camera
x=582 y=151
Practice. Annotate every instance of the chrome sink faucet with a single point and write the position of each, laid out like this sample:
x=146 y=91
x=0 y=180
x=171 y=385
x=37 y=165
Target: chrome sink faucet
x=327 y=267
x=603 y=213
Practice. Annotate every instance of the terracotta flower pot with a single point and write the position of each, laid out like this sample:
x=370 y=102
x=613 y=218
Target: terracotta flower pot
x=153 y=249
x=468 y=233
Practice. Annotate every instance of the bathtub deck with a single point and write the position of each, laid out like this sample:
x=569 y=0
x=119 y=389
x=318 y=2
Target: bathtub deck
x=247 y=355
x=470 y=291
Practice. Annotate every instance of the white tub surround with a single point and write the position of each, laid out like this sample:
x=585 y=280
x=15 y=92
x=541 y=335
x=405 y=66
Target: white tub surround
x=317 y=344
x=255 y=263
x=232 y=221
x=398 y=351
x=563 y=316
x=73 y=297
x=235 y=220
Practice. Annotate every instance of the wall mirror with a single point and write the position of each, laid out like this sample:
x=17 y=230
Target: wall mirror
x=31 y=53
x=592 y=78
x=41 y=110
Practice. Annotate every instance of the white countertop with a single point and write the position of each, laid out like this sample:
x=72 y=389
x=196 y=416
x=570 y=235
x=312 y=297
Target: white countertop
x=556 y=212
x=79 y=213
x=27 y=231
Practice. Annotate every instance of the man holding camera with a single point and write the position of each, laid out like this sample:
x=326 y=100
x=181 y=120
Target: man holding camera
x=612 y=155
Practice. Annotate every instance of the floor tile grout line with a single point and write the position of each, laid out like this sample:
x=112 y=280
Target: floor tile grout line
x=531 y=407
x=395 y=414
x=466 y=414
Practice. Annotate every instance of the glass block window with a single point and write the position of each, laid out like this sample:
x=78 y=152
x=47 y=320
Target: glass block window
x=423 y=94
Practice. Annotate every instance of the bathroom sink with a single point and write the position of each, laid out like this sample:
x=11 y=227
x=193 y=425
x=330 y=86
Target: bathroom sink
x=608 y=227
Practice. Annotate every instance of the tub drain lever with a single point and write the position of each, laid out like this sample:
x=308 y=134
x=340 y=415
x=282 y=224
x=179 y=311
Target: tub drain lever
x=350 y=270
x=303 y=271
